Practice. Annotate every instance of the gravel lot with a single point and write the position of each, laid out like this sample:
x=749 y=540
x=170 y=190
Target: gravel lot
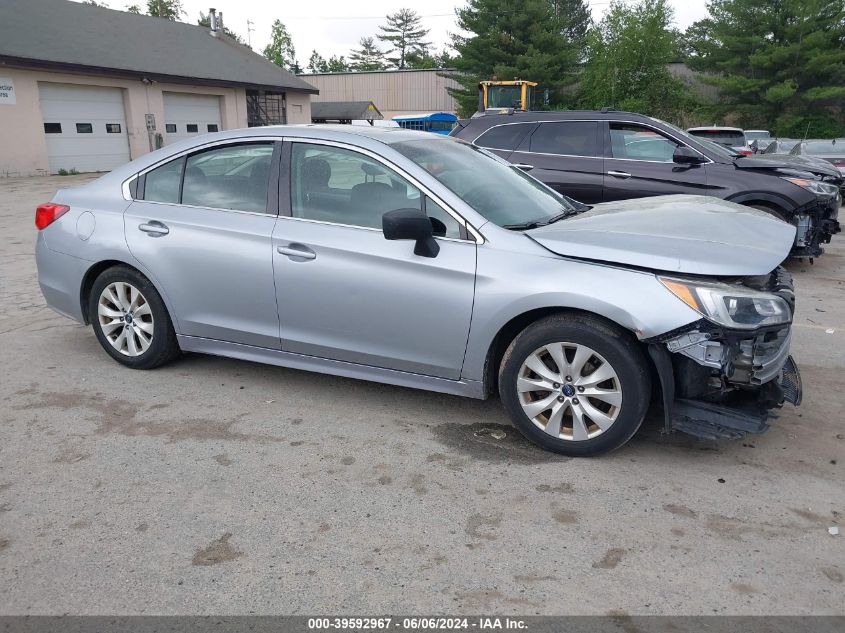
x=221 y=486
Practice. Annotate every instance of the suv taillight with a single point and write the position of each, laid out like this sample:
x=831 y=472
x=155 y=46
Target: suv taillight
x=48 y=213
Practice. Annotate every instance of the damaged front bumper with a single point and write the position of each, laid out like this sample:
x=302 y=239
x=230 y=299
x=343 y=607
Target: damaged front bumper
x=815 y=225
x=720 y=383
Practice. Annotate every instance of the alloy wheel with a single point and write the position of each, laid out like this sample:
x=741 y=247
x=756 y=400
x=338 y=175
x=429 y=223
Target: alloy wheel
x=125 y=318
x=569 y=391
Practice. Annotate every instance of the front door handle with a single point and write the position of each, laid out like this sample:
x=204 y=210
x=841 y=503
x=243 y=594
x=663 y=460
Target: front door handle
x=619 y=174
x=154 y=228
x=296 y=251
x=524 y=166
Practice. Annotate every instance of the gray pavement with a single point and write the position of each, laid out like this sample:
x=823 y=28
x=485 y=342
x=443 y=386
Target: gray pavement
x=224 y=487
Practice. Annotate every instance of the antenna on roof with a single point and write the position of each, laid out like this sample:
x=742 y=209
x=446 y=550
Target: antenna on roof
x=249 y=30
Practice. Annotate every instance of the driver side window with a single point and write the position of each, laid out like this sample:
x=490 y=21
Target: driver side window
x=635 y=142
x=332 y=184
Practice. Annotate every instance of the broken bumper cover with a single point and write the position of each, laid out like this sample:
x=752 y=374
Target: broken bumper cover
x=716 y=421
x=723 y=383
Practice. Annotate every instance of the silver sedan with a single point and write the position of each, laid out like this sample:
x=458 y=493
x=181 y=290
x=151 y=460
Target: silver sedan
x=420 y=260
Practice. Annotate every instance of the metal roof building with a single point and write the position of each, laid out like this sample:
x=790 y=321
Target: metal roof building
x=88 y=88
x=394 y=92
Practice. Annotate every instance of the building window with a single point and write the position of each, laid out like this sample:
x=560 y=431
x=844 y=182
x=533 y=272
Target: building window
x=265 y=108
x=212 y=127
x=170 y=128
x=84 y=128
x=52 y=128
x=113 y=128
x=193 y=128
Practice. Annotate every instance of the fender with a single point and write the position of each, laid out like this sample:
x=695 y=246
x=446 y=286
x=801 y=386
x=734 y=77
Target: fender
x=611 y=292
x=780 y=203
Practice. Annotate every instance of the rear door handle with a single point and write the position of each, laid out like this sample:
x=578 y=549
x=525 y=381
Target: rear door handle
x=154 y=228
x=296 y=251
x=524 y=166
x=619 y=174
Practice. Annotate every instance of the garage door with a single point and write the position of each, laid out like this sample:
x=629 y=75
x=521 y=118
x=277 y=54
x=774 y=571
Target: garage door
x=85 y=127
x=188 y=115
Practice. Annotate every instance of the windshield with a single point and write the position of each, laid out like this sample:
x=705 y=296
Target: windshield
x=504 y=97
x=734 y=138
x=500 y=192
x=720 y=150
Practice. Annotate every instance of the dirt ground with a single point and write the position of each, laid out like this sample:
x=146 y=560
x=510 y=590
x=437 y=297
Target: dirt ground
x=226 y=487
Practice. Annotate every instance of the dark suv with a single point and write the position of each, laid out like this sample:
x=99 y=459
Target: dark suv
x=601 y=156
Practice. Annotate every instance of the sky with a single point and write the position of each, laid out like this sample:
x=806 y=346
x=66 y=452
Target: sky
x=333 y=27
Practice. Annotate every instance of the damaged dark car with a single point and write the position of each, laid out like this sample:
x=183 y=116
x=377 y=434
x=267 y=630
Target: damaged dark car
x=603 y=156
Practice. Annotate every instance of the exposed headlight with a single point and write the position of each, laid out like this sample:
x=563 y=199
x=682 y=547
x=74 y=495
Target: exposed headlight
x=731 y=306
x=816 y=186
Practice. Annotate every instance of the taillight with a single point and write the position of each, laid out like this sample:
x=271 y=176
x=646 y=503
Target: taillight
x=746 y=152
x=48 y=213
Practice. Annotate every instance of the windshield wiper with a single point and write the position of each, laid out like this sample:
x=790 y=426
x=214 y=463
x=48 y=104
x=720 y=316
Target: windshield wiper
x=545 y=222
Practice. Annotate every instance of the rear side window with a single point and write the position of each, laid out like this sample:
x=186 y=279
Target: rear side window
x=506 y=137
x=162 y=183
x=636 y=142
x=569 y=138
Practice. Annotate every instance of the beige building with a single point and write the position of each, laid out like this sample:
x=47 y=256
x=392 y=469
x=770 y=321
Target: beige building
x=87 y=88
x=394 y=92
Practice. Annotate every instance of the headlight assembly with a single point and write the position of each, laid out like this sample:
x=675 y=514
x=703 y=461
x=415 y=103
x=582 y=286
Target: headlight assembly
x=734 y=307
x=816 y=186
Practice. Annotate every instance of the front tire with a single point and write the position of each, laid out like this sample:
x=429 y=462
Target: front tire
x=130 y=319
x=575 y=385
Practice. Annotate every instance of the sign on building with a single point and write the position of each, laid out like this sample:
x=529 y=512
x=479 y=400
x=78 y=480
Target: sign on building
x=7 y=91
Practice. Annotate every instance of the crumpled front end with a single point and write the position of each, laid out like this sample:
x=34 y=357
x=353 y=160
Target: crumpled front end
x=720 y=382
x=815 y=225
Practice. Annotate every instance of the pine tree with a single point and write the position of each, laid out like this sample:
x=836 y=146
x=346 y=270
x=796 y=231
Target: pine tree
x=316 y=63
x=368 y=57
x=337 y=64
x=536 y=40
x=627 y=57
x=169 y=9
x=778 y=64
x=405 y=33
x=280 y=50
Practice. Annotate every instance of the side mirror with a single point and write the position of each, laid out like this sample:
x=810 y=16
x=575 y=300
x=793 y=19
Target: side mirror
x=687 y=156
x=411 y=224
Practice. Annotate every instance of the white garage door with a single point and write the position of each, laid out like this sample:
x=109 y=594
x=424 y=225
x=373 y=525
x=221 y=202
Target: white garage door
x=188 y=115
x=85 y=127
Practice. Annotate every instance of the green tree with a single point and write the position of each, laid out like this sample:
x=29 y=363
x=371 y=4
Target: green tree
x=537 y=40
x=317 y=63
x=94 y=3
x=205 y=20
x=405 y=33
x=368 y=57
x=280 y=50
x=778 y=64
x=133 y=8
x=627 y=57
x=336 y=64
x=170 y=9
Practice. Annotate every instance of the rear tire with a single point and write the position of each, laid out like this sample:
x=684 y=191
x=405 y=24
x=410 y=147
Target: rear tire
x=575 y=384
x=130 y=319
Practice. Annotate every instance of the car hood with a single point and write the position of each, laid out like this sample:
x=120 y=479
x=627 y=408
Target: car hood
x=787 y=161
x=696 y=235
